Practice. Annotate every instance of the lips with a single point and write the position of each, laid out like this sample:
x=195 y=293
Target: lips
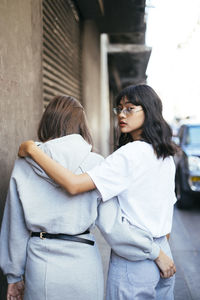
x=122 y=124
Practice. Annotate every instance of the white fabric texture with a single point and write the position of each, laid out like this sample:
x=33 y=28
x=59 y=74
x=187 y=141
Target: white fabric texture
x=143 y=183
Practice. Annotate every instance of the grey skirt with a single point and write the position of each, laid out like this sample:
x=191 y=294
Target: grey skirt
x=59 y=269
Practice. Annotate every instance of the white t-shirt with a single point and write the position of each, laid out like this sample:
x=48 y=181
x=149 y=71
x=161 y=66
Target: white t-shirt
x=143 y=183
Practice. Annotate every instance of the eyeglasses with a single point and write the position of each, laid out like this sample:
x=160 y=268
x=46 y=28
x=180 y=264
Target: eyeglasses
x=127 y=111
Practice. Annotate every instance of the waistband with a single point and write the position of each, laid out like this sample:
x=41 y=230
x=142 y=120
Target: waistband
x=61 y=236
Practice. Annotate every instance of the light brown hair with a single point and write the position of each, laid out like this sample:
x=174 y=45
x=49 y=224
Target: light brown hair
x=63 y=115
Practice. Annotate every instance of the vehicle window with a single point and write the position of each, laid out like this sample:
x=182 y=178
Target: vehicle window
x=193 y=136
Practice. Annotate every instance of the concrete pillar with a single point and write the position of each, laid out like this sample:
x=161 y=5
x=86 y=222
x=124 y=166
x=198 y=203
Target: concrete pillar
x=91 y=87
x=95 y=85
x=105 y=112
x=20 y=83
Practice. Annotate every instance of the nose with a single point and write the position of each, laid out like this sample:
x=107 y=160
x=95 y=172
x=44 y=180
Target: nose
x=122 y=114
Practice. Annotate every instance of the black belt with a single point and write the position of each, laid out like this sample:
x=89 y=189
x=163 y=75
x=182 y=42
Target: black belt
x=74 y=238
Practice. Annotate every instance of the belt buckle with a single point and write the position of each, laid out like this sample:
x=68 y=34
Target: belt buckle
x=41 y=235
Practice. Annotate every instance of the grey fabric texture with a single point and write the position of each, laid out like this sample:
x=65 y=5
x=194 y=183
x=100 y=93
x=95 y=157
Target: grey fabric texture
x=126 y=240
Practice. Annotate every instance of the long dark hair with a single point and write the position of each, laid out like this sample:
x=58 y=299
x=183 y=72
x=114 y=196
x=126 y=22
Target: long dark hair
x=155 y=129
x=63 y=115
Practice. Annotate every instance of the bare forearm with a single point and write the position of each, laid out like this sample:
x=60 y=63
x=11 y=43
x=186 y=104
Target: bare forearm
x=74 y=184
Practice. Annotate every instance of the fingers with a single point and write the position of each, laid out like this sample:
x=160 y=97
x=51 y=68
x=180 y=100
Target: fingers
x=166 y=265
x=12 y=297
x=168 y=272
x=16 y=297
x=21 y=152
x=15 y=291
x=23 y=148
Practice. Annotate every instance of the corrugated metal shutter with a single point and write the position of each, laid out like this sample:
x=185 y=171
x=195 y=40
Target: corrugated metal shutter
x=61 y=49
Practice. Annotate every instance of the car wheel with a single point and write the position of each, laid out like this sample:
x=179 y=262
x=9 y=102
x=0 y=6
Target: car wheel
x=184 y=201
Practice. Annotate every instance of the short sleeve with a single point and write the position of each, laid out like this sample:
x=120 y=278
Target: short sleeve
x=113 y=175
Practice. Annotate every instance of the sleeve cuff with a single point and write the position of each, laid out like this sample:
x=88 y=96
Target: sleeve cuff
x=154 y=252
x=13 y=279
x=92 y=176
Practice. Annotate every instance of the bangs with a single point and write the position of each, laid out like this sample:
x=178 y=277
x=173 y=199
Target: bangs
x=130 y=94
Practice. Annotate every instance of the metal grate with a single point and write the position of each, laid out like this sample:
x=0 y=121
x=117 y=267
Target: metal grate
x=61 y=49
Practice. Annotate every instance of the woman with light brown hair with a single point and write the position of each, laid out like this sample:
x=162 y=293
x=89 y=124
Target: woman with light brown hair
x=46 y=232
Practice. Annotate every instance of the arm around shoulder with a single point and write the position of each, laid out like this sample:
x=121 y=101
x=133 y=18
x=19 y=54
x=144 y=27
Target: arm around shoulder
x=72 y=183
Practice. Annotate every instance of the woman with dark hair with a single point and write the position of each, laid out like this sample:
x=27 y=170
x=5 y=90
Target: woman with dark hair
x=45 y=231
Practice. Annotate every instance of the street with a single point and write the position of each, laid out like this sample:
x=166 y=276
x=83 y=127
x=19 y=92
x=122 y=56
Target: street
x=185 y=245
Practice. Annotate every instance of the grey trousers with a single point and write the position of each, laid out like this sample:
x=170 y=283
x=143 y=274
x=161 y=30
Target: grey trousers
x=63 y=270
x=138 y=280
